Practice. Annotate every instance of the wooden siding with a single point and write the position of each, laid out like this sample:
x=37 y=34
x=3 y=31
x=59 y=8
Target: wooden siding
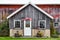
x=6 y=10
x=53 y=10
x=30 y=12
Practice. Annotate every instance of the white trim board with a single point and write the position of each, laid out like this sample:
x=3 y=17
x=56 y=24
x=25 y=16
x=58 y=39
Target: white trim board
x=33 y=6
x=19 y=21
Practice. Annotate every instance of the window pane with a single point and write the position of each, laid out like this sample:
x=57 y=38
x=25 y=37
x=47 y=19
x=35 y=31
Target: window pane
x=27 y=23
x=17 y=24
x=56 y=24
x=42 y=24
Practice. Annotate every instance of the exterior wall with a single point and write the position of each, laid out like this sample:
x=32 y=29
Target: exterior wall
x=34 y=32
x=30 y=12
x=13 y=31
x=46 y=32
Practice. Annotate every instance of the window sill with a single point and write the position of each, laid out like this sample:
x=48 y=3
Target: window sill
x=17 y=28
x=42 y=28
x=56 y=27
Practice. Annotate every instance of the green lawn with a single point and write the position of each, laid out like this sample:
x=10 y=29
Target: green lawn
x=9 y=38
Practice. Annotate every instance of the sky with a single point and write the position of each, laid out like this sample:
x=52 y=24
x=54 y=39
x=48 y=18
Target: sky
x=27 y=1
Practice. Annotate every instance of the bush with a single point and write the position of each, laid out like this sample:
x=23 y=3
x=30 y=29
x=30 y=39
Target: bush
x=39 y=34
x=55 y=36
x=17 y=34
x=53 y=31
x=4 y=28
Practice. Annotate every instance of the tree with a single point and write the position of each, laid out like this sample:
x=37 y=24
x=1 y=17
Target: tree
x=4 y=28
x=52 y=29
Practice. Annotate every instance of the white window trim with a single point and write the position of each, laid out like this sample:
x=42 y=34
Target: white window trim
x=44 y=21
x=17 y=20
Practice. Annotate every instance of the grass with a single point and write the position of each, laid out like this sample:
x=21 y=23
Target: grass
x=9 y=38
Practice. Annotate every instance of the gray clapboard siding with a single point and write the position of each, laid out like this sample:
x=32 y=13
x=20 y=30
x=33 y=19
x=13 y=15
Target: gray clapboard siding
x=30 y=12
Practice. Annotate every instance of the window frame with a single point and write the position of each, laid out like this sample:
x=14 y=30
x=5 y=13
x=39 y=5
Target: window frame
x=56 y=21
x=57 y=25
x=19 y=21
x=39 y=23
x=26 y=23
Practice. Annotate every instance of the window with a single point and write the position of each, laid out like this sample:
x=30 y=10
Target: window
x=42 y=23
x=27 y=23
x=56 y=24
x=17 y=23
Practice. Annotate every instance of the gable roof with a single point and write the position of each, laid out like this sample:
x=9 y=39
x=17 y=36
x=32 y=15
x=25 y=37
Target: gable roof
x=33 y=6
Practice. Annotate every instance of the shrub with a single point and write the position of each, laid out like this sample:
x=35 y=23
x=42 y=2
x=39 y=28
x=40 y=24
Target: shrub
x=4 y=28
x=17 y=34
x=39 y=34
x=53 y=31
x=55 y=36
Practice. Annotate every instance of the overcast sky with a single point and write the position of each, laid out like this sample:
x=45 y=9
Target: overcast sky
x=27 y=1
